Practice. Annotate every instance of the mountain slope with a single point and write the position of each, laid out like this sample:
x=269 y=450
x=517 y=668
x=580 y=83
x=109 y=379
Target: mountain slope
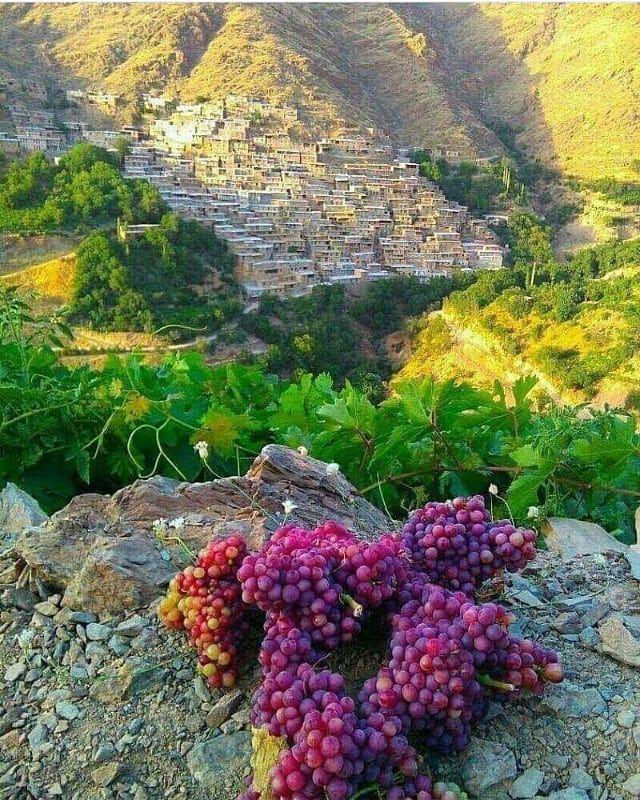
x=565 y=78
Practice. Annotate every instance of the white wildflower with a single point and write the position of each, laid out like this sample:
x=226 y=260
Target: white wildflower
x=333 y=468
x=493 y=489
x=178 y=522
x=288 y=506
x=158 y=524
x=303 y=451
x=202 y=449
x=533 y=512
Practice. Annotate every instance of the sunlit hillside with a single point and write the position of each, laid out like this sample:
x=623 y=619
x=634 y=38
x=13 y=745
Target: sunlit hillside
x=591 y=355
x=564 y=78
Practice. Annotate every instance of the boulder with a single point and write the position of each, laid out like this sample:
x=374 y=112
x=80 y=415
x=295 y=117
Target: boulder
x=18 y=511
x=113 y=553
x=569 y=538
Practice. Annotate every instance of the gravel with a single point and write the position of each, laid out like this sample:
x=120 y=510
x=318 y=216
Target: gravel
x=110 y=708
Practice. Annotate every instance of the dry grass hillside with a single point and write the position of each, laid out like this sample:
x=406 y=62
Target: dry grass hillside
x=567 y=77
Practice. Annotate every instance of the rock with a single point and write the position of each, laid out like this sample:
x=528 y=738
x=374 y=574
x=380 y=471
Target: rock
x=569 y=700
x=528 y=784
x=132 y=626
x=486 y=764
x=145 y=678
x=117 y=575
x=223 y=709
x=633 y=557
x=22 y=599
x=570 y=538
x=67 y=710
x=569 y=794
x=106 y=774
x=97 y=632
x=14 y=671
x=220 y=763
x=18 y=511
x=103 y=552
x=46 y=608
x=618 y=642
x=632 y=785
x=104 y=753
x=626 y=718
x=580 y=779
x=37 y=736
x=567 y=622
x=527 y=598
x=111 y=689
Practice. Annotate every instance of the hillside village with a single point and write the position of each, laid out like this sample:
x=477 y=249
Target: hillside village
x=295 y=212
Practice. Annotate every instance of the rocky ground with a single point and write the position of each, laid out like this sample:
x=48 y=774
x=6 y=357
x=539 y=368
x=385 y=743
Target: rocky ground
x=97 y=705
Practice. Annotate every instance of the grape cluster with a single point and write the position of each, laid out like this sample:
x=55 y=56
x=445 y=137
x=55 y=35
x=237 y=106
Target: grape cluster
x=457 y=545
x=448 y=655
x=205 y=599
x=321 y=580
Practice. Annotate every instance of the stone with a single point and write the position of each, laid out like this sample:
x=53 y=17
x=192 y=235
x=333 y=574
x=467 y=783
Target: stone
x=569 y=538
x=46 y=608
x=97 y=632
x=67 y=710
x=106 y=774
x=106 y=752
x=618 y=642
x=223 y=709
x=527 y=784
x=220 y=763
x=632 y=785
x=110 y=689
x=14 y=671
x=101 y=553
x=626 y=718
x=132 y=626
x=633 y=557
x=37 y=736
x=571 y=793
x=145 y=678
x=569 y=700
x=527 y=598
x=581 y=779
x=567 y=622
x=18 y=511
x=486 y=764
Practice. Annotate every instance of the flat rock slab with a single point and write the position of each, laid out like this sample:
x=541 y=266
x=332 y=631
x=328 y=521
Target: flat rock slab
x=18 y=511
x=486 y=764
x=110 y=554
x=219 y=764
x=570 y=538
x=618 y=642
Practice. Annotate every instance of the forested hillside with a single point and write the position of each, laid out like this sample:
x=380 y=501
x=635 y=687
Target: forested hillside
x=575 y=324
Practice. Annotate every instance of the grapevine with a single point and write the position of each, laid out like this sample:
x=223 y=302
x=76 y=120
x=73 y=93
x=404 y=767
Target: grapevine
x=448 y=654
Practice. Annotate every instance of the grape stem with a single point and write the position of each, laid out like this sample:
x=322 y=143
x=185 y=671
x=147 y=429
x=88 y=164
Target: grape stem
x=365 y=790
x=487 y=680
x=353 y=604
